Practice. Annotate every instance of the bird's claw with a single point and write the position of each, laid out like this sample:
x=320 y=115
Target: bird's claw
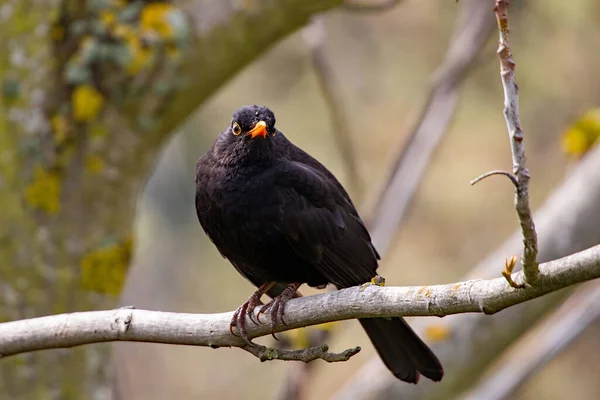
x=239 y=317
x=277 y=306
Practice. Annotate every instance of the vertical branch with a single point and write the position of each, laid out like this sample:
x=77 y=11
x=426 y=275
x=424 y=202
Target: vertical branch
x=472 y=30
x=511 y=114
x=314 y=36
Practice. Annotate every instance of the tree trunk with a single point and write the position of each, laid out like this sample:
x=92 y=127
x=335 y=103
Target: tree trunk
x=89 y=91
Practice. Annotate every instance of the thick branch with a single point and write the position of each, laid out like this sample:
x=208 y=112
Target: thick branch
x=488 y=296
x=511 y=114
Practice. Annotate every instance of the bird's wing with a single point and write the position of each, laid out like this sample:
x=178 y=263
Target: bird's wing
x=322 y=226
x=299 y=155
x=204 y=201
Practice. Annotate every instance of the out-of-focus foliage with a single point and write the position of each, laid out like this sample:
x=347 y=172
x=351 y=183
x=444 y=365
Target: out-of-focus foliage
x=584 y=133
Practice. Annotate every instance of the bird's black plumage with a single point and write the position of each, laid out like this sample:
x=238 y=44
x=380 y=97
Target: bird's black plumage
x=278 y=215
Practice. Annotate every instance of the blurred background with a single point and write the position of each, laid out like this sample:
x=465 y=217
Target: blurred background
x=382 y=67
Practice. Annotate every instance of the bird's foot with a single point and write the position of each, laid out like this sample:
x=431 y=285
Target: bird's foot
x=277 y=305
x=239 y=317
x=247 y=309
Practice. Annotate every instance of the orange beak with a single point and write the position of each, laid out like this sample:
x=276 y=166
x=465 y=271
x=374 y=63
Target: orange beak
x=260 y=129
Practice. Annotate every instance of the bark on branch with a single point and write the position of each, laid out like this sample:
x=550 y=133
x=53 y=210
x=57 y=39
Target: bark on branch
x=487 y=296
x=513 y=123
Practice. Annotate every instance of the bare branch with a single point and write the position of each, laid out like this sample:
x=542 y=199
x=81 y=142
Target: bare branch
x=496 y=172
x=314 y=35
x=305 y=355
x=487 y=296
x=546 y=341
x=511 y=114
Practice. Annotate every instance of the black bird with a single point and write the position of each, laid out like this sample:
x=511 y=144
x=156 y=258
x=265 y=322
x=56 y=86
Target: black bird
x=282 y=219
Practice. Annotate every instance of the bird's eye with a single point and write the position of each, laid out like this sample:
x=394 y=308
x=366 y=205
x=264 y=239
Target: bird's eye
x=236 y=129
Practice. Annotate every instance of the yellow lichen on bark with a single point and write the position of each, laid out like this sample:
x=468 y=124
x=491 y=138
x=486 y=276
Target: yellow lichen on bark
x=104 y=269
x=108 y=18
x=94 y=164
x=87 y=103
x=44 y=191
x=140 y=56
x=60 y=127
x=155 y=19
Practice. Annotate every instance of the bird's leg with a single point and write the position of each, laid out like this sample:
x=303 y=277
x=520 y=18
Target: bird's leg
x=277 y=304
x=247 y=309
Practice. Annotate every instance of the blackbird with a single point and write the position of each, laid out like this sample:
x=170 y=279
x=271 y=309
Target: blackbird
x=282 y=219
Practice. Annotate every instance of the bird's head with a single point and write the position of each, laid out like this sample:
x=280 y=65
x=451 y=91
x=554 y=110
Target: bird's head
x=249 y=135
x=253 y=123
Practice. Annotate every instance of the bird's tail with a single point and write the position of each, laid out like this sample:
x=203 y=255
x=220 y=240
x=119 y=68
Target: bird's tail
x=401 y=350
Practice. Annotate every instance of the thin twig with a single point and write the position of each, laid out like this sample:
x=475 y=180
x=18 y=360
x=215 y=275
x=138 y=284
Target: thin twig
x=305 y=355
x=487 y=296
x=368 y=7
x=511 y=114
x=314 y=36
x=496 y=172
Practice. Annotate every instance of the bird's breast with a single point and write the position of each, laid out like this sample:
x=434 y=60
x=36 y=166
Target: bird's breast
x=246 y=201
